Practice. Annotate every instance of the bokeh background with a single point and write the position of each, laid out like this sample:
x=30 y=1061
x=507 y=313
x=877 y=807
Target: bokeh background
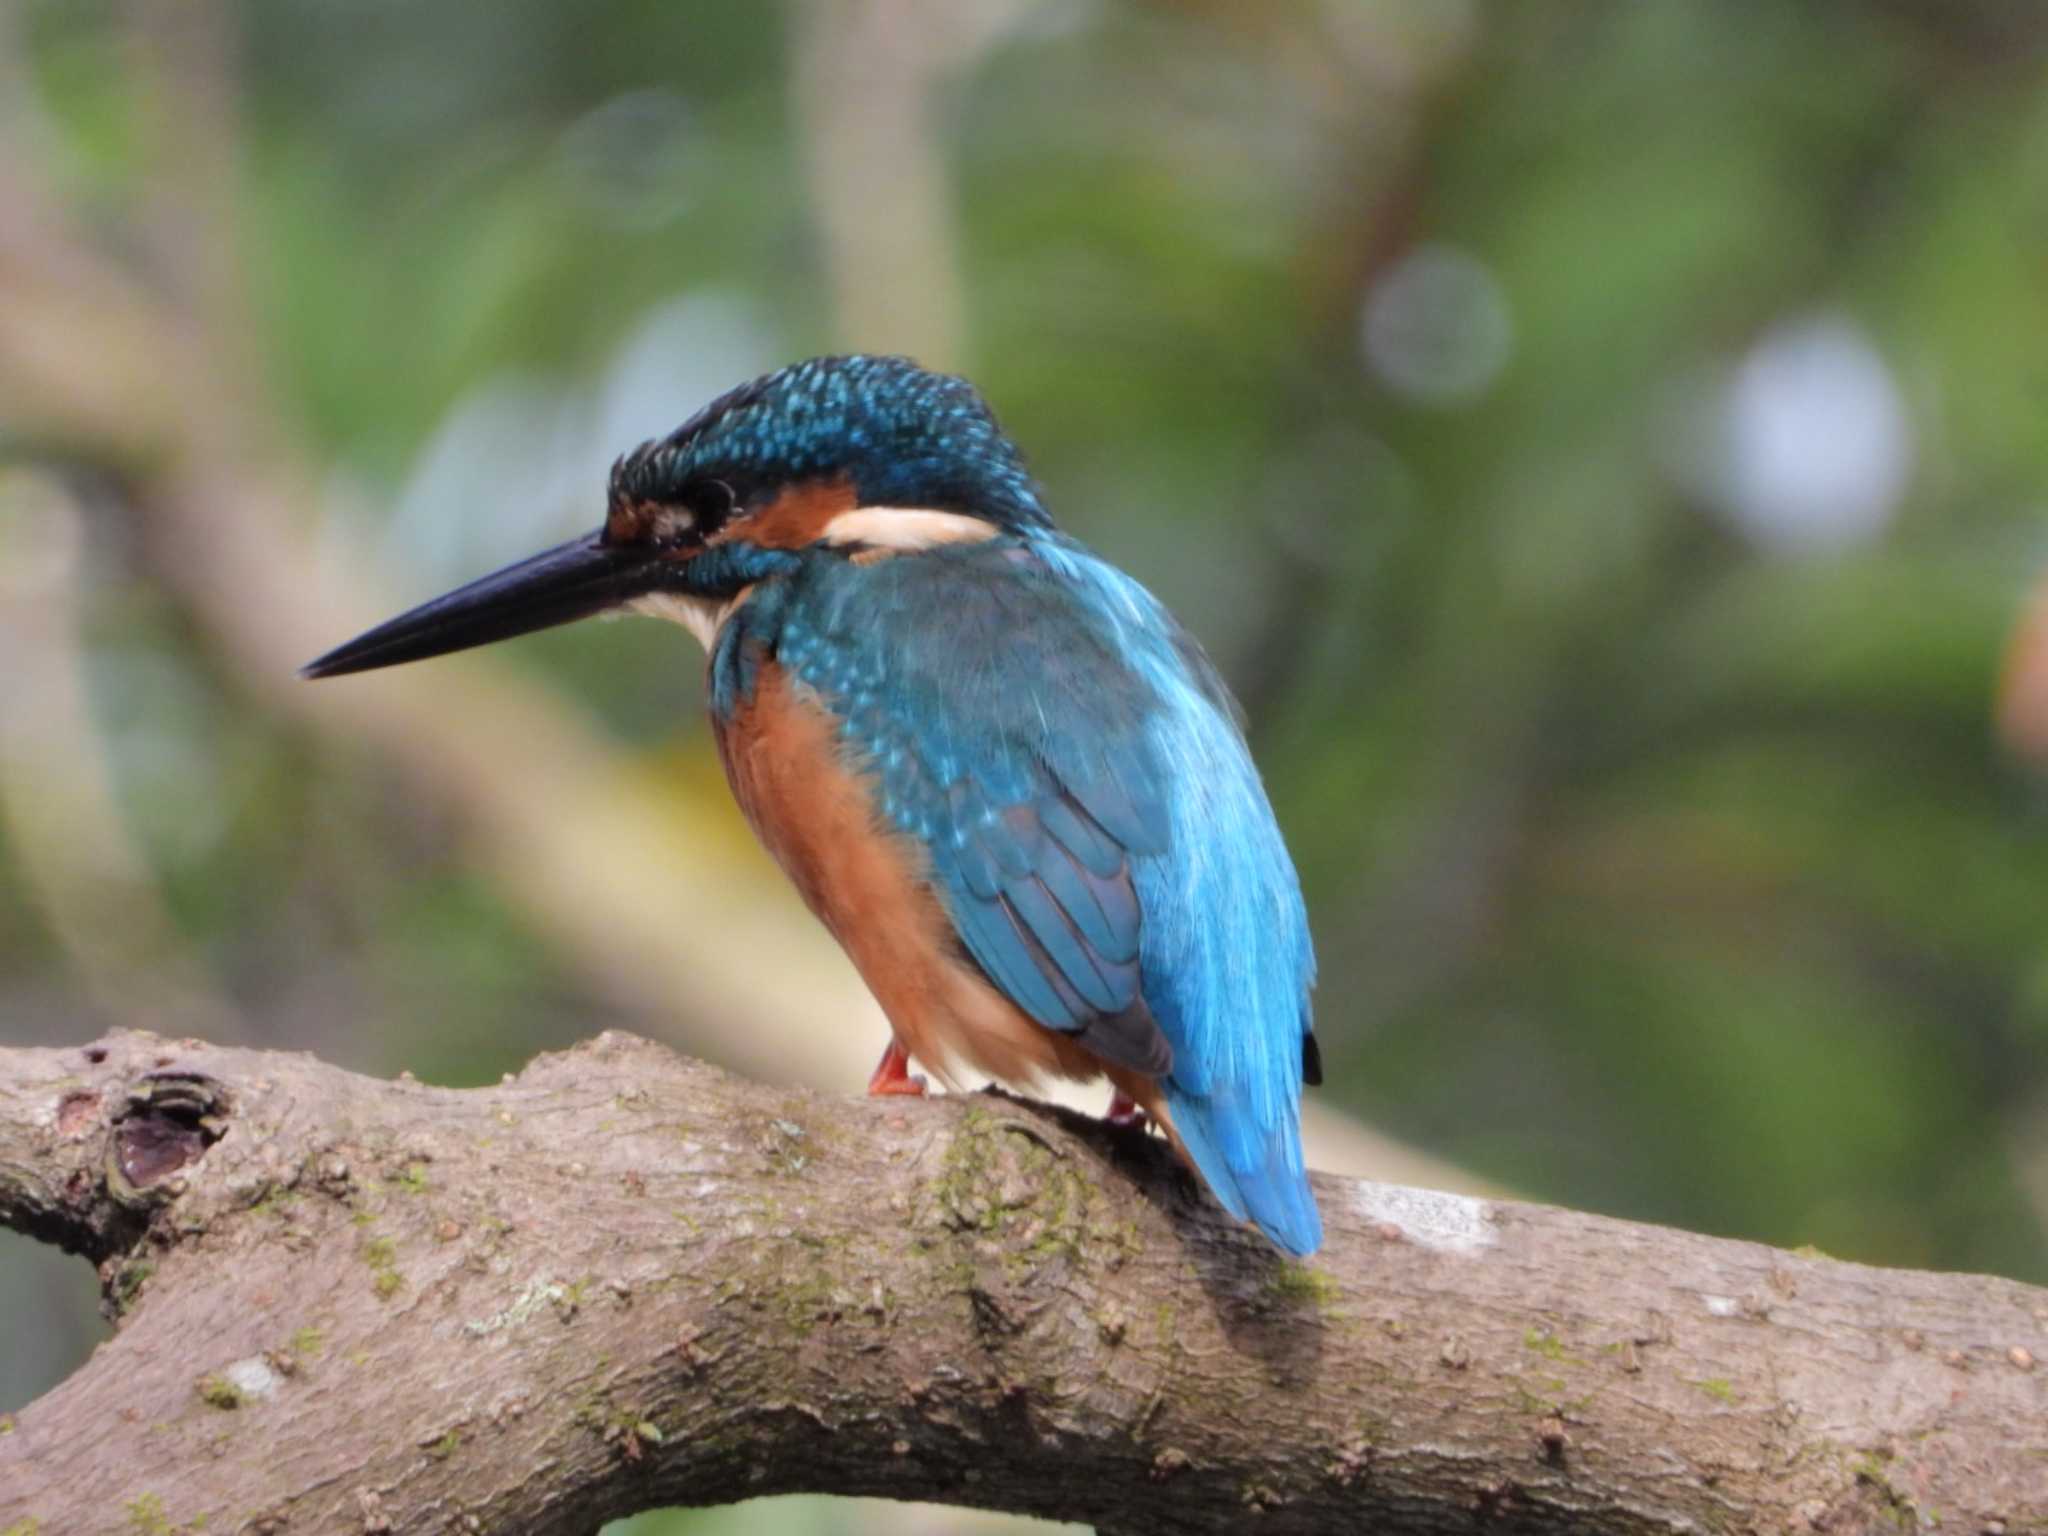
x=1605 y=444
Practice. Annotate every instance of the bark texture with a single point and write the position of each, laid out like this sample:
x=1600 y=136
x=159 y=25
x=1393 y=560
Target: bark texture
x=622 y=1280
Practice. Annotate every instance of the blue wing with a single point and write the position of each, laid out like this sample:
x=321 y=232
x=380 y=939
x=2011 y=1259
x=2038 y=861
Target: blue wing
x=1228 y=964
x=1073 y=769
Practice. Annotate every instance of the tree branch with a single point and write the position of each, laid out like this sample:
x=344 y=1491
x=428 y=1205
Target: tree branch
x=623 y=1279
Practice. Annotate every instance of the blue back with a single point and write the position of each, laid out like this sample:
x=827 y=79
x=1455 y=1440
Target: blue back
x=1071 y=763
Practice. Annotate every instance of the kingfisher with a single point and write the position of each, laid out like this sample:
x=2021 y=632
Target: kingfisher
x=1011 y=785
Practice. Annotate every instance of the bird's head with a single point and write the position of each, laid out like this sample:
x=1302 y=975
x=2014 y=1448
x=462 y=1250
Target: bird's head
x=842 y=454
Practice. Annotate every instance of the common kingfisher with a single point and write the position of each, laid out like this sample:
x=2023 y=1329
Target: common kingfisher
x=1010 y=784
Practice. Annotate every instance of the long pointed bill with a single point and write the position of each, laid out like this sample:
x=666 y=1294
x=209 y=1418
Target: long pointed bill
x=570 y=582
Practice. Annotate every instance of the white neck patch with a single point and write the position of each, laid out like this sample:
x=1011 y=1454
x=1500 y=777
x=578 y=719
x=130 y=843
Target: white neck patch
x=895 y=529
x=907 y=528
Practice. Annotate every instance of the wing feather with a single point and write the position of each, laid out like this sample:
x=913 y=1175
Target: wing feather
x=1009 y=738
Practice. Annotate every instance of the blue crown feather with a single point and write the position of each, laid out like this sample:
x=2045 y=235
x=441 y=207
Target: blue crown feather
x=906 y=437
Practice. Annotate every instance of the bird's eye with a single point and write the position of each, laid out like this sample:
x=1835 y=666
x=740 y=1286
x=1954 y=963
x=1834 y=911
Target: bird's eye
x=688 y=516
x=710 y=502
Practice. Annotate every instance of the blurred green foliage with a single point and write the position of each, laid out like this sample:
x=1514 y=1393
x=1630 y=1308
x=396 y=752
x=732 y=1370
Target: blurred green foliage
x=1662 y=857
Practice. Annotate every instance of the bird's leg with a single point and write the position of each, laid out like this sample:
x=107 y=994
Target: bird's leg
x=893 y=1075
x=1124 y=1112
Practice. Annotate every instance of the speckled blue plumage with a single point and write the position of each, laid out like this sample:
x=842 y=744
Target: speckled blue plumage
x=904 y=436
x=1039 y=723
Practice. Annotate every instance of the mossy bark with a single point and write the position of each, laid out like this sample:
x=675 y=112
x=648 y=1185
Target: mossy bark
x=622 y=1280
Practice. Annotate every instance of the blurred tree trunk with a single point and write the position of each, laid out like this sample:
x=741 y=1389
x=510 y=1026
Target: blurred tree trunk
x=623 y=1280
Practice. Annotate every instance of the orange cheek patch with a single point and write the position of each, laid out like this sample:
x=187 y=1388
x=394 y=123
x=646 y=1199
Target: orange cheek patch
x=798 y=517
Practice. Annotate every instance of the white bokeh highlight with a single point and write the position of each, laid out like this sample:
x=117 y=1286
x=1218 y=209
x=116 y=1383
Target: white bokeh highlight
x=1437 y=327
x=1815 y=448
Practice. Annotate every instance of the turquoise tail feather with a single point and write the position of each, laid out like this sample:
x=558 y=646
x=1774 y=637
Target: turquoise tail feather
x=1256 y=1176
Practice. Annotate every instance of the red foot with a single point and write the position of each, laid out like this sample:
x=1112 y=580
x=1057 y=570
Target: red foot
x=893 y=1075
x=1124 y=1113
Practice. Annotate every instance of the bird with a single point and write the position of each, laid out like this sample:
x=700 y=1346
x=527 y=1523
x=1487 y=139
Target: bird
x=1011 y=785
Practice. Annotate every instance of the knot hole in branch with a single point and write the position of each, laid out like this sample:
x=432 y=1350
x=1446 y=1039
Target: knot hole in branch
x=169 y=1121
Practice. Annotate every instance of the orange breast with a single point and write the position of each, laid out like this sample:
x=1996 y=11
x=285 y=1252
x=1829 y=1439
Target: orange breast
x=815 y=812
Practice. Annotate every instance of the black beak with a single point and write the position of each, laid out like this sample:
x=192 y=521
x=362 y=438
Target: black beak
x=569 y=582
